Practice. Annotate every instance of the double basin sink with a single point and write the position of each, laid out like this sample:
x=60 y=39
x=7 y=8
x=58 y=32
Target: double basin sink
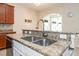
x=39 y=40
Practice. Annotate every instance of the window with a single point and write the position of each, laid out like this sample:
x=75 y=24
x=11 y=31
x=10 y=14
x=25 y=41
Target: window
x=53 y=22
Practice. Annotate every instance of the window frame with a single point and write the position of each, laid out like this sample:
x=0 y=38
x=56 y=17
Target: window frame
x=49 y=17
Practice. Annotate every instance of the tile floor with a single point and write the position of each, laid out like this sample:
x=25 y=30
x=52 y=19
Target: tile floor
x=6 y=52
x=3 y=52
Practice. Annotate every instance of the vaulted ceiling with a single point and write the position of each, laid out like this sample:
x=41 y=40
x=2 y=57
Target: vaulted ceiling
x=45 y=6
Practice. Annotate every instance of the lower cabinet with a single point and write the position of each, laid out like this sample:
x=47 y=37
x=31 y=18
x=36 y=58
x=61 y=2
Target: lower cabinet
x=68 y=52
x=16 y=52
x=21 y=50
x=64 y=36
x=72 y=40
x=4 y=42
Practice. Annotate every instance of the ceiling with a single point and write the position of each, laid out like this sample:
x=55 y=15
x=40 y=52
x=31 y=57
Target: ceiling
x=44 y=6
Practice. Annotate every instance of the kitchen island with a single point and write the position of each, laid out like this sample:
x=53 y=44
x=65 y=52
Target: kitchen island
x=56 y=49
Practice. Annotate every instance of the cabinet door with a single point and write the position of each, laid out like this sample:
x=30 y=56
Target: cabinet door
x=30 y=52
x=9 y=14
x=24 y=50
x=17 y=45
x=72 y=40
x=2 y=13
x=8 y=42
x=16 y=52
x=2 y=42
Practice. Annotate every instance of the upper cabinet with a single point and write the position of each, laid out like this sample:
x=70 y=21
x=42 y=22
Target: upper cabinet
x=2 y=13
x=6 y=14
x=9 y=14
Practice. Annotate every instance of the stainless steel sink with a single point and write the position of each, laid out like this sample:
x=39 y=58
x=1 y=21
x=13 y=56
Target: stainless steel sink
x=31 y=38
x=45 y=42
x=39 y=41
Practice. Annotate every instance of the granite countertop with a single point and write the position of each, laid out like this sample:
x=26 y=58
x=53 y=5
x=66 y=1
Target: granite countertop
x=53 y=31
x=55 y=49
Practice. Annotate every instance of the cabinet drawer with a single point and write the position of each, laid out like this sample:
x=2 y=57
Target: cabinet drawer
x=28 y=51
x=17 y=45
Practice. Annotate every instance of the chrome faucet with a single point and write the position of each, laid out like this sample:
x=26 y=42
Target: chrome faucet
x=44 y=34
x=37 y=27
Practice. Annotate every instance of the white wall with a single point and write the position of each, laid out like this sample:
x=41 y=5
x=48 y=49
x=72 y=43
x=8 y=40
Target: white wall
x=20 y=14
x=70 y=24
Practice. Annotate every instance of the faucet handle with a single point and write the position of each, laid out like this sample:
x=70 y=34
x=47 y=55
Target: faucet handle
x=45 y=34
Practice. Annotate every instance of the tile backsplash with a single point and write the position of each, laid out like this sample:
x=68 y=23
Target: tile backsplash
x=50 y=34
x=6 y=26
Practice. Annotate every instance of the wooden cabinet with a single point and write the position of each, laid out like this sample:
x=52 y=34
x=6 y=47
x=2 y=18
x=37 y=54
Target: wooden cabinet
x=4 y=42
x=6 y=14
x=9 y=14
x=2 y=13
